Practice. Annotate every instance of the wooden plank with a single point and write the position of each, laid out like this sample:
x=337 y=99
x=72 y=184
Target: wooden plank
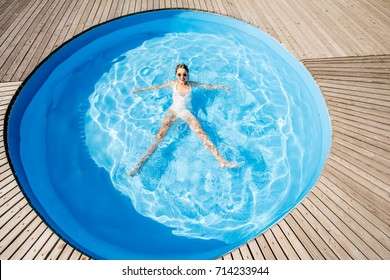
x=274 y=245
x=11 y=202
x=378 y=171
x=354 y=68
x=82 y=17
x=144 y=6
x=168 y=5
x=6 y=188
x=221 y=7
x=236 y=255
x=13 y=216
x=85 y=257
x=35 y=44
x=262 y=19
x=3 y=159
x=360 y=21
x=245 y=252
x=212 y=6
x=346 y=228
x=227 y=7
x=313 y=17
x=310 y=236
x=345 y=28
x=377 y=15
x=6 y=197
x=367 y=98
x=361 y=135
x=227 y=257
x=24 y=44
x=301 y=252
x=285 y=37
x=8 y=35
x=131 y=8
x=328 y=245
x=57 y=250
x=38 y=245
x=93 y=16
x=9 y=84
x=377 y=186
x=6 y=173
x=374 y=204
x=364 y=145
x=119 y=8
x=364 y=85
x=361 y=124
x=372 y=222
x=138 y=6
x=57 y=38
x=103 y=8
x=308 y=249
x=374 y=160
x=104 y=11
x=354 y=106
x=255 y=250
x=66 y=253
x=368 y=234
x=14 y=238
x=64 y=30
x=230 y=8
x=9 y=12
x=352 y=76
x=351 y=59
x=128 y=7
x=47 y=248
x=380 y=103
x=284 y=243
x=299 y=34
x=265 y=248
x=114 y=4
x=6 y=98
x=326 y=20
x=204 y=6
x=372 y=79
x=76 y=255
x=29 y=241
x=364 y=186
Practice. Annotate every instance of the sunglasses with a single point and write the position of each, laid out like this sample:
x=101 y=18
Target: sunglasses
x=180 y=74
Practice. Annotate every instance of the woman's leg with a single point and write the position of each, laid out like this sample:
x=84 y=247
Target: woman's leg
x=197 y=128
x=167 y=122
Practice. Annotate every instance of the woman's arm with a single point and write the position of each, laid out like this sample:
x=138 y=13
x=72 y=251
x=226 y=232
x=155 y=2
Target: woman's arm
x=209 y=87
x=136 y=90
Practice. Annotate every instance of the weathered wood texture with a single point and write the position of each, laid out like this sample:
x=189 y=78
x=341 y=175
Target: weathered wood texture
x=31 y=29
x=345 y=44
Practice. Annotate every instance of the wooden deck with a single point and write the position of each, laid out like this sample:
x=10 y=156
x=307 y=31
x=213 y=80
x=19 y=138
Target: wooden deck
x=345 y=44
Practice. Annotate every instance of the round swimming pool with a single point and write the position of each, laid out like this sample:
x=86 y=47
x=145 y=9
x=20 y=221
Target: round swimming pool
x=75 y=129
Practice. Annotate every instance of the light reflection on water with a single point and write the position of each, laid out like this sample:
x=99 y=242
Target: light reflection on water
x=259 y=125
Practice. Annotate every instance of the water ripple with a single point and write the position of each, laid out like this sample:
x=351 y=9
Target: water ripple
x=259 y=125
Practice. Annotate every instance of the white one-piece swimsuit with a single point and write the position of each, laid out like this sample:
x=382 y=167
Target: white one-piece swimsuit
x=180 y=102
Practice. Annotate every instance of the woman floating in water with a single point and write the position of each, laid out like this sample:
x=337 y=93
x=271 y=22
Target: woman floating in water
x=181 y=95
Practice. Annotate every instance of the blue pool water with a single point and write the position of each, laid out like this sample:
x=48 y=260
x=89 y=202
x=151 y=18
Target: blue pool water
x=76 y=129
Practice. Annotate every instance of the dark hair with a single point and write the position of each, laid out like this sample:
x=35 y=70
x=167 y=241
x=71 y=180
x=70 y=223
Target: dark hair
x=181 y=66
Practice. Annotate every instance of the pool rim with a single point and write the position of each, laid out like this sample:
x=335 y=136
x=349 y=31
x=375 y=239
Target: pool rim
x=53 y=225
